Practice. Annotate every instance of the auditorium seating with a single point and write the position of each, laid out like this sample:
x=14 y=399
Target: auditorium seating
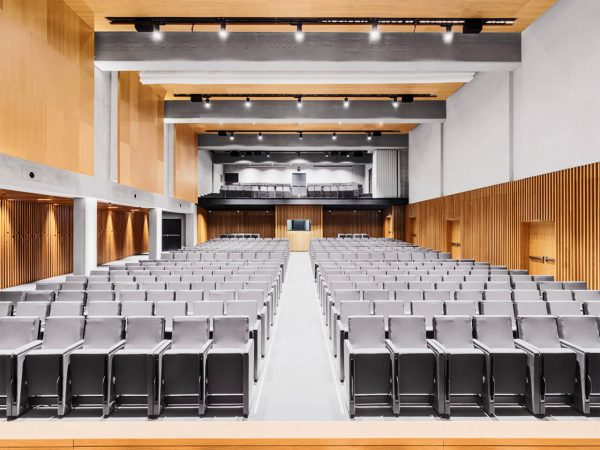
x=270 y=190
x=494 y=332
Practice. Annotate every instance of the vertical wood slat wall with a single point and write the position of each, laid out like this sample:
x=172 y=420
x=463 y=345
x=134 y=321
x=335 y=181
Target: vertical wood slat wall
x=186 y=163
x=121 y=234
x=299 y=240
x=36 y=241
x=368 y=221
x=491 y=221
x=243 y=221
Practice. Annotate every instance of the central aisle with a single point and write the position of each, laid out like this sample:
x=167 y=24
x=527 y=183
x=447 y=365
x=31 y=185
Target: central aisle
x=298 y=382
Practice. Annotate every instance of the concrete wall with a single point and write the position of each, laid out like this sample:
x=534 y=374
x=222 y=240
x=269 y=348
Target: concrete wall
x=505 y=126
x=205 y=172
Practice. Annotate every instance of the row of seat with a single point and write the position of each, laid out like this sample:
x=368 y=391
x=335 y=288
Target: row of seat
x=111 y=362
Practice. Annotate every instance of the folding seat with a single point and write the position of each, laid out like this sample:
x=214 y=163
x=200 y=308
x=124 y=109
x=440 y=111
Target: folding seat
x=432 y=278
x=525 y=285
x=209 y=309
x=461 y=308
x=367 y=364
x=101 y=308
x=146 y=278
x=585 y=296
x=214 y=278
x=454 y=278
x=498 y=296
x=130 y=309
x=18 y=336
x=459 y=362
x=582 y=335
x=262 y=298
x=168 y=310
x=76 y=279
x=408 y=278
x=382 y=279
x=475 y=296
x=203 y=286
x=375 y=294
x=100 y=296
x=135 y=366
x=101 y=278
x=549 y=285
x=395 y=285
x=40 y=296
x=499 y=309
x=73 y=286
x=387 y=308
x=420 y=285
x=160 y=296
x=32 y=309
x=132 y=296
x=252 y=311
x=591 y=308
x=476 y=279
x=230 y=285
x=499 y=278
x=12 y=296
x=99 y=286
x=519 y=278
x=178 y=286
x=448 y=286
x=66 y=309
x=472 y=285
x=332 y=311
x=47 y=286
x=224 y=296
x=556 y=295
x=347 y=309
x=408 y=296
x=427 y=310
x=6 y=309
x=124 y=278
x=551 y=368
x=118 y=287
x=229 y=365
x=437 y=295
x=155 y=286
x=168 y=278
x=530 y=309
x=505 y=380
x=71 y=296
x=526 y=296
x=192 y=278
x=414 y=364
x=497 y=285
x=47 y=368
x=568 y=308
x=574 y=285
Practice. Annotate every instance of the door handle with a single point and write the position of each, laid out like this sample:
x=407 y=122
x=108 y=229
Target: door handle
x=455 y=244
x=543 y=259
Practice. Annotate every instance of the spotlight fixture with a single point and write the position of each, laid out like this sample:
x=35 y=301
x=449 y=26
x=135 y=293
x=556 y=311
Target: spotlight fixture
x=375 y=34
x=231 y=136
x=448 y=35
x=369 y=136
x=248 y=103
x=223 y=33
x=207 y=103
x=260 y=137
x=326 y=155
x=299 y=102
x=299 y=33
x=347 y=155
x=346 y=102
x=300 y=135
x=268 y=154
x=334 y=136
x=243 y=154
x=156 y=33
x=395 y=102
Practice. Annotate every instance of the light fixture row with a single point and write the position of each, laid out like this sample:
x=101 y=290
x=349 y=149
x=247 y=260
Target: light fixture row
x=334 y=135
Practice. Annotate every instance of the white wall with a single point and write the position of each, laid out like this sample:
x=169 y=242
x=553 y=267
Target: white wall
x=425 y=162
x=543 y=120
x=279 y=174
x=205 y=172
x=556 y=93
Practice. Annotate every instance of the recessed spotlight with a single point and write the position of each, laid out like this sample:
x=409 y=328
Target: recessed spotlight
x=374 y=35
x=248 y=103
x=299 y=102
x=223 y=33
x=346 y=102
x=448 y=35
x=299 y=33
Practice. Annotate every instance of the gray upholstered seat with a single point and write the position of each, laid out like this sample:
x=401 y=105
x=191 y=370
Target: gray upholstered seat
x=460 y=308
x=6 y=309
x=592 y=308
x=33 y=309
x=100 y=296
x=568 y=308
x=99 y=308
x=376 y=295
x=221 y=296
x=557 y=295
x=499 y=309
x=526 y=296
x=414 y=363
x=184 y=363
x=168 y=310
x=552 y=368
x=130 y=309
x=71 y=296
x=462 y=362
x=505 y=379
x=18 y=336
x=126 y=296
x=91 y=366
x=387 y=309
x=135 y=367
x=501 y=295
x=66 y=309
x=39 y=296
x=230 y=364
x=73 y=286
x=428 y=310
x=440 y=295
x=367 y=364
x=12 y=296
x=474 y=296
x=582 y=335
x=257 y=318
x=47 y=368
x=535 y=308
x=160 y=296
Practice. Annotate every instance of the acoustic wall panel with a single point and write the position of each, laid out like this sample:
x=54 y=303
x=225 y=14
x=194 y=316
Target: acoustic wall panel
x=186 y=163
x=121 y=233
x=369 y=221
x=238 y=221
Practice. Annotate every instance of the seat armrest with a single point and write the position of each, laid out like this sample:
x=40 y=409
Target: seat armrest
x=249 y=347
x=206 y=347
x=118 y=346
x=27 y=348
x=529 y=348
x=481 y=346
x=161 y=347
x=572 y=346
x=391 y=346
x=349 y=347
x=73 y=347
x=436 y=346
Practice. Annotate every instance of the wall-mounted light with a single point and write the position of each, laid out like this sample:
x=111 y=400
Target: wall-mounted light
x=207 y=104
x=299 y=102
x=260 y=137
x=299 y=33
x=334 y=136
x=248 y=103
x=231 y=136
x=369 y=136
x=375 y=34
x=300 y=135
x=346 y=102
x=156 y=33
x=395 y=102
x=223 y=33
x=448 y=35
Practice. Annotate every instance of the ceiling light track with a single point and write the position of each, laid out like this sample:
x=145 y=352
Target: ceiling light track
x=336 y=133
x=405 y=98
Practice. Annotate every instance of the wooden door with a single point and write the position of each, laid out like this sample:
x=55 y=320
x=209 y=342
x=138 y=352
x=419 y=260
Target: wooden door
x=411 y=230
x=541 y=247
x=453 y=234
x=388 y=227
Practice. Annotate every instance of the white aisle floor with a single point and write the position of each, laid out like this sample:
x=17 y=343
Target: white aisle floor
x=298 y=381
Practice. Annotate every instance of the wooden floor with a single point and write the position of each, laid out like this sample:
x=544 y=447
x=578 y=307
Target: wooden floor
x=226 y=435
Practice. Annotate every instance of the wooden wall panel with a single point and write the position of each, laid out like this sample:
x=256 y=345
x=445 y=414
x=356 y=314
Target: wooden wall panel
x=141 y=130
x=397 y=213
x=491 y=220
x=186 y=163
x=368 y=221
x=242 y=221
x=47 y=85
x=36 y=241
x=299 y=240
x=202 y=225
x=121 y=234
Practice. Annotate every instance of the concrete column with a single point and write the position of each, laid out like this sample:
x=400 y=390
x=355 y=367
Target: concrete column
x=85 y=235
x=155 y=239
x=191 y=235
x=169 y=160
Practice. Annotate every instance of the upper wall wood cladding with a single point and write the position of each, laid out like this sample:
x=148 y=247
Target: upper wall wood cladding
x=36 y=241
x=95 y=11
x=186 y=163
x=47 y=85
x=369 y=221
x=299 y=240
x=141 y=130
x=121 y=234
x=243 y=221
x=491 y=221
